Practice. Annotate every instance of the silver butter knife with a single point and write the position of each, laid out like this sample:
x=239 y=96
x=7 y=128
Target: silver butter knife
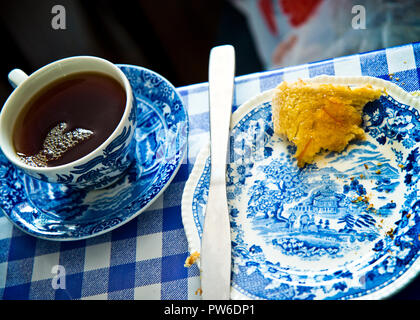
x=215 y=256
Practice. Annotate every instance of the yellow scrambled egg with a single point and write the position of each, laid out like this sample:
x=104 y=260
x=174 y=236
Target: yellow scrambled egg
x=319 y=116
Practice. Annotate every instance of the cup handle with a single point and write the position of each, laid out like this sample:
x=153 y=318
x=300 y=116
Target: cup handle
x=16 y=77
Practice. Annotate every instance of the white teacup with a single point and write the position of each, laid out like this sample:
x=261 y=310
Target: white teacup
x=101 y=167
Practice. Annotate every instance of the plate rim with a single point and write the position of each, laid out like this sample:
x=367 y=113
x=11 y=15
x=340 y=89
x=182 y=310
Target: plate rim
x=193 y=239
x=134 y=215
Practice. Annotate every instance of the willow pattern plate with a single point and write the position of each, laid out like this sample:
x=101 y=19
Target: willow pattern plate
x=345 y=227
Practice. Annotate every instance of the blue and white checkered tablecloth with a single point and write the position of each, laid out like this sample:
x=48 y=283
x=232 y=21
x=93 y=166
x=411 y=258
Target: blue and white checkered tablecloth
x=144 y=259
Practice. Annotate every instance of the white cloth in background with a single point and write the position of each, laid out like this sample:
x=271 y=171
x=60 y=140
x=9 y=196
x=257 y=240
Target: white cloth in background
x=291 y=32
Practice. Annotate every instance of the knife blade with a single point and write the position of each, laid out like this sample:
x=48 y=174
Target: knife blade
x=215 y=256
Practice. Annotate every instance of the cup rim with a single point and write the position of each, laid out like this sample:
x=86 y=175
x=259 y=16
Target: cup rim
x=12 y=157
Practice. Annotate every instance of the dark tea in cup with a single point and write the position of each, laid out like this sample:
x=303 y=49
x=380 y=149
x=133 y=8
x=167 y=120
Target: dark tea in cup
x=68 y=119
x=71 y=122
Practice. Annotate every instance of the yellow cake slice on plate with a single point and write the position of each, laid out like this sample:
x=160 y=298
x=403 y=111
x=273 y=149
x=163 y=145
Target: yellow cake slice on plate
x=319 y=117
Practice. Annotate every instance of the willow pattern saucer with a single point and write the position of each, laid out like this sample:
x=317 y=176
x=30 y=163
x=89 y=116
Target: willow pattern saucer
x=345 y=227
x=55 y=212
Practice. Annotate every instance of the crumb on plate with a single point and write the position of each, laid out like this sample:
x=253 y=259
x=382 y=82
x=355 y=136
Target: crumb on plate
x=191 y=259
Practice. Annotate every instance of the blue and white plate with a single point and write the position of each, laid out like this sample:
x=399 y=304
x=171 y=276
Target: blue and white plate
x=54 y=212
x=345 y=227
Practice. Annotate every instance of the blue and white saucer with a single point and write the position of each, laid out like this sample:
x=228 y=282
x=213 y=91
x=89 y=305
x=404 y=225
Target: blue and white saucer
x=55 y=212
x=345 y=227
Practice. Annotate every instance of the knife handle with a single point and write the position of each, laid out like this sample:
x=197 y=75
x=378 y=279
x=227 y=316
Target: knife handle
x=221 y=78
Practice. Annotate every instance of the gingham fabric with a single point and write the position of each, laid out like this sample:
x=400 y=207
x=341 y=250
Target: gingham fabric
x=144 y=259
